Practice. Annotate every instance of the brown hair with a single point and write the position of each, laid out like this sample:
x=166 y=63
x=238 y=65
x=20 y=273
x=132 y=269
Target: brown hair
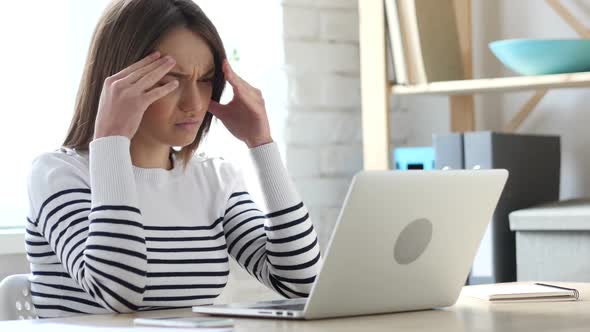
x=128 y=31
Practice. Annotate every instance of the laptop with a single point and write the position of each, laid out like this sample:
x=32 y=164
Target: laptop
x=403 y=241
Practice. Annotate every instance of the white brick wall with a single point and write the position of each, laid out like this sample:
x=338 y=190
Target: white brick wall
x=339 y=25
x=323 y=132
x=328 y=90
x=301 y=23
x=317 y=128
x=322 y=56
x=323 y=129
x=334 y=4
x=340 y=160
x=298 y=169
x=323 y=191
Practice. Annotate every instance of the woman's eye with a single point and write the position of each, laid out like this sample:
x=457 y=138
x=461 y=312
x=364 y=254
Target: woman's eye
x=206 y=80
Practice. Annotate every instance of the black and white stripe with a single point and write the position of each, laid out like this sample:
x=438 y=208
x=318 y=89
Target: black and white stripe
x=183 y=270
x=263 y=243
x=103 y=258
x=93 y=254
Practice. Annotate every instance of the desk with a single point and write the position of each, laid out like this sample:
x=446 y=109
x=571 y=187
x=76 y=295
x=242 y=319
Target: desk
x=467 y=315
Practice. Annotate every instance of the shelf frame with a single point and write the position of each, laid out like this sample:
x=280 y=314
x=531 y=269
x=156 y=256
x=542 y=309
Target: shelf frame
x=375 y=96
x=495 y=85
x=376 y=91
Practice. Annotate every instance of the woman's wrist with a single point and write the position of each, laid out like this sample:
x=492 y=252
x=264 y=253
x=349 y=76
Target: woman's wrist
x=258 y=142
x=107 y=133
x=275 y=182
x=111 y=173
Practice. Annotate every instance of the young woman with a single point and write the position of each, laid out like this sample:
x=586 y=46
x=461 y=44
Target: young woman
x=120 y=221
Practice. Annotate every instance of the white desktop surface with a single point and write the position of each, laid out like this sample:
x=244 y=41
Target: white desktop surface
x=468 y=314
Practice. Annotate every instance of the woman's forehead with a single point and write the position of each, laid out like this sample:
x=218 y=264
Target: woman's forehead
x=191 y=51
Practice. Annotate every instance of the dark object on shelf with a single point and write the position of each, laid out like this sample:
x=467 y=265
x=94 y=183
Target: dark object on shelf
x=534 y=163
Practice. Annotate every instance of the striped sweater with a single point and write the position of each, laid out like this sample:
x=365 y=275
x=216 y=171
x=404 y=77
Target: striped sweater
x=105 y=236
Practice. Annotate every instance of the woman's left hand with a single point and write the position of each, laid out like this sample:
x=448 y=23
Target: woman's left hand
x=244 y=116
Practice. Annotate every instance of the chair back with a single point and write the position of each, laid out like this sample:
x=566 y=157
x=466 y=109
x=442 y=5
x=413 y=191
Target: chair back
x=15 y=298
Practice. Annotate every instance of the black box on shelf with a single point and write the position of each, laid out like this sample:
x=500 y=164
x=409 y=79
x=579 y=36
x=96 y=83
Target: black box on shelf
x=534 y=163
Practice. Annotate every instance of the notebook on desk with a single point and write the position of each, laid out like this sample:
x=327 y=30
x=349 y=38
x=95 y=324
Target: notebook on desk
x=532 y=292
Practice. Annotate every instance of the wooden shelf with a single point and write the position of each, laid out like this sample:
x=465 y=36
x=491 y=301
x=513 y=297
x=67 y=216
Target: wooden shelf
x=376 y=91
x=490 y=85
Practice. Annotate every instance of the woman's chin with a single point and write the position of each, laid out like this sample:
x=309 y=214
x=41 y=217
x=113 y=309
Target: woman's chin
x=182 y=141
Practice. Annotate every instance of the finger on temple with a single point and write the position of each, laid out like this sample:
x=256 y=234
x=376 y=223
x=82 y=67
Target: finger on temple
x=155 y=75
x=141 y=72
x=139 y=64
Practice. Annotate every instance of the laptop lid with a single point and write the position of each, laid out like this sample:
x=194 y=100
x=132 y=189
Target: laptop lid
x=404 y=241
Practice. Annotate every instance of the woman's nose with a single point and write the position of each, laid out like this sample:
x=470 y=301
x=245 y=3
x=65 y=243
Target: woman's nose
x=191 y=100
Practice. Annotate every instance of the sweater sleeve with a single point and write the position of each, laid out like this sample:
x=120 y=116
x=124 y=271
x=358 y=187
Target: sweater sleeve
x=95 y=229
x=280 y=247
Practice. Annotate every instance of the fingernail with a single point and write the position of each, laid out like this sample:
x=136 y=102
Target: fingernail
x=155 y=54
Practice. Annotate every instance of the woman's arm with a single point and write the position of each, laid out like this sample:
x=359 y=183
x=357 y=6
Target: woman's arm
x=280 y=248
x=104 y=249
x=96 y=232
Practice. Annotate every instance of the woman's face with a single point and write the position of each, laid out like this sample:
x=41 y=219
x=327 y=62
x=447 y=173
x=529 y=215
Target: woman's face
x=194 y=70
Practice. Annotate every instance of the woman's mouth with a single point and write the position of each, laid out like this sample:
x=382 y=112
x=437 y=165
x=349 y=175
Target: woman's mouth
x=187 y=125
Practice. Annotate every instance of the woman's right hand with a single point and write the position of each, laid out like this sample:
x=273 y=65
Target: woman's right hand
x=126 y=95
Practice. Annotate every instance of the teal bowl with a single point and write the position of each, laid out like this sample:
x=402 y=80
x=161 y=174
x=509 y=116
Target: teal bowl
x=543 y=56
